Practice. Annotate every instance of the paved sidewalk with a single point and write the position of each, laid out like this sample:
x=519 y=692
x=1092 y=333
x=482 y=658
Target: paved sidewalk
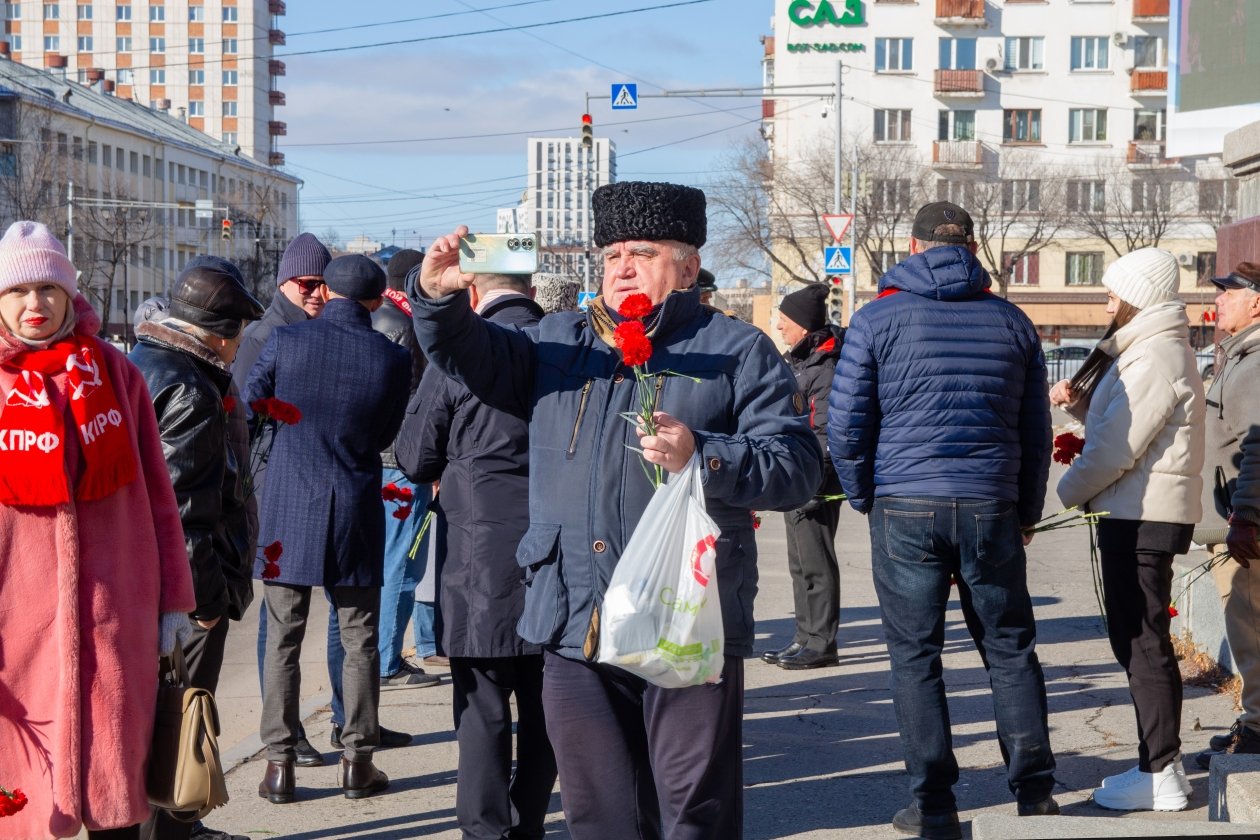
x=822 y=759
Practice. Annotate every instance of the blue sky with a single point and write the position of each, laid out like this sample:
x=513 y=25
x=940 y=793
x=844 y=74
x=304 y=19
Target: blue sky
x=492 y=91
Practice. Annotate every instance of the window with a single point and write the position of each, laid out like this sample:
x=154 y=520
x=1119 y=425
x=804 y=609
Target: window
x=123 y=45
x=15 y=43
x=1148 y=125
x=52 y=43
x=1021 y=269
x=1020 y=195
x=126 y=76
x=956 y=125
x=884 y=261
x=12 y=11
x=1151 y=196
x=229 y=46
x=84 y=11
x=890 y=194
x=1205 y=267
x=118 y=158
x=1149 y=51
x=157 y=45
x=196 y=108
x=196 y=77
x=1217 y=195
x=957 y=54
x=230 y=77
x=85 y=43
x=1087 y=125
x=1086 y=196
x=958 y=191
x=229 y=14
x=1025 y=53
x=157 y=75
x=196 y=14
x=1021 y=125
x=229 y=109
x=893 y=54
x=122 y=13
x=157 y=14
x=196 y=46
x=1084 y=268
x=52 y=11
x=229 y=137
x=133 y=160
x=892 y=126
x=1089 y=53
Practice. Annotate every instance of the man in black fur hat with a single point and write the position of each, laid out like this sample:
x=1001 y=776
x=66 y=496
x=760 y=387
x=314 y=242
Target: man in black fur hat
x=635 y=760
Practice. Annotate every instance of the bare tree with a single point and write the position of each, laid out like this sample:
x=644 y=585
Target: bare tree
x=1141 y=201
x=892 y=184
x=114 y=236
x=35 y=161
x=258 y=236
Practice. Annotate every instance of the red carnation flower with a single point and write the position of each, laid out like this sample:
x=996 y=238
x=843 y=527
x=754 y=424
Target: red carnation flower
x=271 y=557
x=390 y=492
x=756 y=520
x=631 y=339
x=402 y=512
x=11 y=802
x=229 y=404
x=278 y=410
x=1066 y=447
x=637 y=305
x=1172 y=611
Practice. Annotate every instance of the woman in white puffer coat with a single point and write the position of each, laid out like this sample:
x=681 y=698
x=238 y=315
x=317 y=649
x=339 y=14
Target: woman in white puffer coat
x=1141 y=398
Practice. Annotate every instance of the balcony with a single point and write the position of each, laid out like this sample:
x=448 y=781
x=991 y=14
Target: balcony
x=767 y=109
x=275 y=67
x=276 y=97
x=1150 y=10
x=1148 y=82
x=275 y=7
x=275 y=37
x=957 y=154
x=963 y=12
x=275 y=159
x=277 y=129
x=1149 y=154
x=962 y=83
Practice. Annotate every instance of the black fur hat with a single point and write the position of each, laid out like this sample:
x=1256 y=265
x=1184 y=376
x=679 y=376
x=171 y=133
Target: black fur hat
x=649 y=211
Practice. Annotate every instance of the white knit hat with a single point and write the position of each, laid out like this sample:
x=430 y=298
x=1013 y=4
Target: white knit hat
x=1144 y=277
x=29 y=254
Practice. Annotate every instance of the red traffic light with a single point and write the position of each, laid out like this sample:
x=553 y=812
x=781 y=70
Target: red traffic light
x=586 y=119
x=227 y=224
x=837 y=280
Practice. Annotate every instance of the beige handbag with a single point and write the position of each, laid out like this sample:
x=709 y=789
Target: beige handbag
x=185 y=773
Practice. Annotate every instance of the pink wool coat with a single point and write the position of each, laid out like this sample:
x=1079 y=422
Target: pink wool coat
x=81 y=588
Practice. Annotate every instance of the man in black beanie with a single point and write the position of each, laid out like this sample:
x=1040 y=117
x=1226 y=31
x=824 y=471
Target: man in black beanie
x=185 y=354
x=635 y=759
x=813 y=349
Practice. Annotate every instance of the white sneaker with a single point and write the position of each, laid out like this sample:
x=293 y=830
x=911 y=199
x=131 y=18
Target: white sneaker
x=1138 y=791
x=1180 y=770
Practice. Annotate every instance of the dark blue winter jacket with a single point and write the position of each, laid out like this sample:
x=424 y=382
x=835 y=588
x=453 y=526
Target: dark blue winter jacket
x=941 y=391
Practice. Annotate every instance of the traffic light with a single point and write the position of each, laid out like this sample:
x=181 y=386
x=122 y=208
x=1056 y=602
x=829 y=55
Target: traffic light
x=835 y=300
x=588 y=132
x=227 y=229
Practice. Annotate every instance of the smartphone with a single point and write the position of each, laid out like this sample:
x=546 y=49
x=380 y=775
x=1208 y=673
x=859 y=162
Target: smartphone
x=498 y=253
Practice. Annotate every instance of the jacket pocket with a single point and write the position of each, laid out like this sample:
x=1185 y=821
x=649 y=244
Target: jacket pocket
x=577 y=420
x=908 y=534
x=546 y=596
x=998 y=537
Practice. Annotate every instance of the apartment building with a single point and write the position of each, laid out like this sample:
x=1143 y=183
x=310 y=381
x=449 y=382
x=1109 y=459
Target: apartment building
x=1044 y=117
x=207 y=62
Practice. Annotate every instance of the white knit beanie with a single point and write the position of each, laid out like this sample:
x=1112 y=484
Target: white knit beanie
x=1144 y=277
x=30 y=254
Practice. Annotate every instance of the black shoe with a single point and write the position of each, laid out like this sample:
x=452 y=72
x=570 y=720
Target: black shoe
x=1041 y=808
x=772 y=657
x=410 y=676
x=932 y=826
x=306 y=755
x=1219 y=742
x=201 y=832
x=1204 y=759
x=278 y=782
x=809 y=658
x=361 y=779
x=389 y=738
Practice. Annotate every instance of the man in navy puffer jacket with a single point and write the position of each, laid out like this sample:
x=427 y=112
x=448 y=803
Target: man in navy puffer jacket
x=939 y=429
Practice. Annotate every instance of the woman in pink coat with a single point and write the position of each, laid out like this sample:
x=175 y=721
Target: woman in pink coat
x=94 y=579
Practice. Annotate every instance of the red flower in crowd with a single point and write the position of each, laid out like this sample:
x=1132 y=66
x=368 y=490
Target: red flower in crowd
x=631 y=339
x=278 y=410
x=229 y=404
x=1067 y=446
x=271 y=558
x=393 y=493
x=1172 y=611
x=402 y=512
x=756 y=520
x=11 y=801
x=637 y=305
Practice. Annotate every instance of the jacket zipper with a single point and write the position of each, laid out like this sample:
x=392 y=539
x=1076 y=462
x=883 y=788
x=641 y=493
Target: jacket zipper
x=660 y=386
x=577 y=424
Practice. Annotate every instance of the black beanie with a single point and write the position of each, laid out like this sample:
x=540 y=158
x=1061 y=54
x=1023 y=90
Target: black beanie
x=398 y=266
x=807 y=307
x=650 y=211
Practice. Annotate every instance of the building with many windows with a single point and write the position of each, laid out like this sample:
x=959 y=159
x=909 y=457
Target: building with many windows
x=1044 y=118
x=207 y=62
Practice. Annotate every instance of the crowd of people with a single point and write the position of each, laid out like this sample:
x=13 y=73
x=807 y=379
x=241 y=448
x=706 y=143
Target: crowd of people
x=433 y=447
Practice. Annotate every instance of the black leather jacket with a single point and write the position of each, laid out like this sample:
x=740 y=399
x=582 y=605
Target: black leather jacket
x=188 y=384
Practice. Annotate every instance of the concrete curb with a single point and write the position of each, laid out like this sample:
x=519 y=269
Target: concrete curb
x=1005 y=827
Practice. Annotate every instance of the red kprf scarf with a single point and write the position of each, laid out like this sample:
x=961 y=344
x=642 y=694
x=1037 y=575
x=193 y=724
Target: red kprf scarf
x=400 y=300
x=32 y=429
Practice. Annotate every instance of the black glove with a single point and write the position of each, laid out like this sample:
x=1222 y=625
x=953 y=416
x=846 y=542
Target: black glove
x=1241 y=541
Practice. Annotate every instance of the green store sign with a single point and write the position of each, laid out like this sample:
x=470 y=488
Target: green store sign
x=823 y=13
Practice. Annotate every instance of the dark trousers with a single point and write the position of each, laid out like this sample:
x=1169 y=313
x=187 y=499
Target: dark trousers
x=358 y=608
x=491 y=802
x=131 y=832
x=811 y=549
x=203 y=656
x=916 y=545
x=1137 y=589
x=639 y=762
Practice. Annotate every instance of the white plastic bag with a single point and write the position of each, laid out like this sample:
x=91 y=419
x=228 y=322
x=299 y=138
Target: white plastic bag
x=661 y=618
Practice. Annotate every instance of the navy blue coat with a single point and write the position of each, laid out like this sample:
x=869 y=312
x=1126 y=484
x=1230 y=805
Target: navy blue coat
x=481 y=456
x=322 y=499
x=941 y=391
x=587 y=488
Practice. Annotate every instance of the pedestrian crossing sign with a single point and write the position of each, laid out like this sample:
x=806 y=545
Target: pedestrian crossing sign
x=625 y=97
x=838 y=259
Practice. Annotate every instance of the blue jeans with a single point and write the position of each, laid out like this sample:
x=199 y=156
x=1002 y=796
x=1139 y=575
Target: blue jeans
x=916 y=544
x=402 y=573
x=336 y=657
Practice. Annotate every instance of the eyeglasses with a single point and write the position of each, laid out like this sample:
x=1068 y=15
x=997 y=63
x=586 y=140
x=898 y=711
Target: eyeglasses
x=308 y=287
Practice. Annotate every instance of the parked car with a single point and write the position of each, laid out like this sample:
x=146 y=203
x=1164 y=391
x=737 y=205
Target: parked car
x=1206 y=361
x=1063 y=362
